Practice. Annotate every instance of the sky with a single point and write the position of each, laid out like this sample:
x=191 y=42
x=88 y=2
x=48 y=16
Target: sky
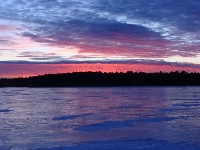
x=57 y=36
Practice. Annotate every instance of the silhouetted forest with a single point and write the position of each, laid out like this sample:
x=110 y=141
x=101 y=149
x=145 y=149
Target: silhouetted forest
x=105 y=79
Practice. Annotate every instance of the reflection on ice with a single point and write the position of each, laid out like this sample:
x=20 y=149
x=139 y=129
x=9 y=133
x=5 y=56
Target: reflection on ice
x=5 y=110
x=70 y=117
x=156 y=119
x=106 y=126
x=145 y=117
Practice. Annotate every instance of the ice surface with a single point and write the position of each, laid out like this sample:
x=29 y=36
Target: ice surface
x=129 y=144
x=100 y=118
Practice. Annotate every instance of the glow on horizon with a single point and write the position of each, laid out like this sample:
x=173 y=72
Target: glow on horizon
x=26 y=70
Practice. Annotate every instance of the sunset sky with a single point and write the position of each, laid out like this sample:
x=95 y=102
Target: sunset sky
x=56 y=36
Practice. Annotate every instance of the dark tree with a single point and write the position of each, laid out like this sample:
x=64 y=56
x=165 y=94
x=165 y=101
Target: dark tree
x=105 y=79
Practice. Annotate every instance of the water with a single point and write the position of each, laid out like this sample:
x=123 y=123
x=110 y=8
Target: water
x=100 y=118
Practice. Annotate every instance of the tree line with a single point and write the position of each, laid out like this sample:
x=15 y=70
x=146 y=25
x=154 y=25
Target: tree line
x=77 y=79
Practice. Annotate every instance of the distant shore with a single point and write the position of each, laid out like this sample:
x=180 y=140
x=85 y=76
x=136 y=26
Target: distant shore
x=98 y=79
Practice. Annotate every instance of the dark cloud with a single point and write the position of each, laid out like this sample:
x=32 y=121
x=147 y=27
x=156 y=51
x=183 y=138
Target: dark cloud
x=154 y=63
x=38 y=56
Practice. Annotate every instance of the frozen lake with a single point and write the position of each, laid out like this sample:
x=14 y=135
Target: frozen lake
x=100 y=118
